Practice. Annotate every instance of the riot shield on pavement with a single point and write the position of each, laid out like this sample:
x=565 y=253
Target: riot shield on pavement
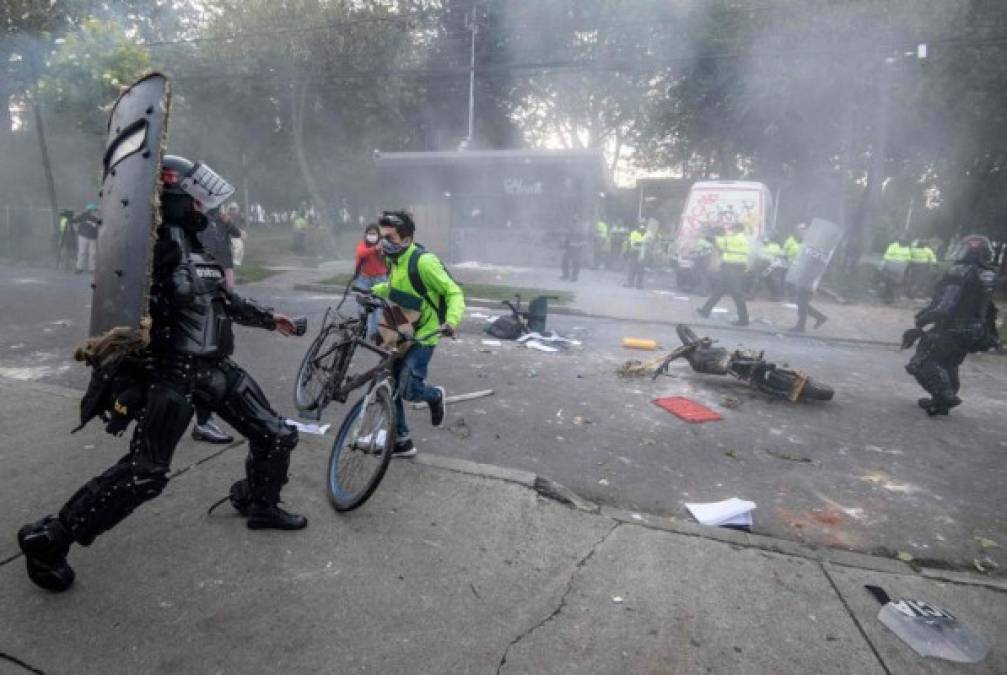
x=130 y=206
x=819 y=244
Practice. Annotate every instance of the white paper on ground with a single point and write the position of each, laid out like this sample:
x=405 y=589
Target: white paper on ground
x=493 y=343
x=316 y=429
x=535 y=344
x=790 y=305
x=720 y=310
x=731 y=511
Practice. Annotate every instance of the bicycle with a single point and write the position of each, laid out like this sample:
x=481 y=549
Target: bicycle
x=363 y=446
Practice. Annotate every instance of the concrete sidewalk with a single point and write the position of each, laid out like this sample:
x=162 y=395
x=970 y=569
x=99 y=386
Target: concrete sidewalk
x=452 y=567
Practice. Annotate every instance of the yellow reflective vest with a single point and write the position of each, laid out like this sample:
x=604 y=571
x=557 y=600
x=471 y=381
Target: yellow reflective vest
x=791 y=247
x=734 y=248
x=922 y=254
x=896 y=252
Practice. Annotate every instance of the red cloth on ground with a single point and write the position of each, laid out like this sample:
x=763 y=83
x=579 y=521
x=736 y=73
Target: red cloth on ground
x=370 y=262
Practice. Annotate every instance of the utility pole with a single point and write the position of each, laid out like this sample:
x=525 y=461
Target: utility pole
x=473 y=26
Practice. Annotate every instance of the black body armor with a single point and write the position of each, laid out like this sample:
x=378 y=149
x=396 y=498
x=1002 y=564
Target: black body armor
x=191 y=308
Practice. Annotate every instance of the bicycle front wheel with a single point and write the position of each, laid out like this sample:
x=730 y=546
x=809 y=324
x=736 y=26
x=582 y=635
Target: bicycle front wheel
x=322 y=360
x=362 y=450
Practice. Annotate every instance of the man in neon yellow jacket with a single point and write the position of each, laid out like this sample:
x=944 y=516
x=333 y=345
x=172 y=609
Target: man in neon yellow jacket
x=895 y=264
x=417 y=281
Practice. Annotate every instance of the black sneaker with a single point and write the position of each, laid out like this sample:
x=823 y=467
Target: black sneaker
x=272 y=517
x=819 y=322
x=45 y=544
x=437 y=409
x=210 y=433
x=404 y=449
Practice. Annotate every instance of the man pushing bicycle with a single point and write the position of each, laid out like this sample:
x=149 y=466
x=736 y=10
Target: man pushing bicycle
x=419 y=284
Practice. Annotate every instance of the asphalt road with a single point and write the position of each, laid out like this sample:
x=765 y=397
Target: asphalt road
x=867 y=471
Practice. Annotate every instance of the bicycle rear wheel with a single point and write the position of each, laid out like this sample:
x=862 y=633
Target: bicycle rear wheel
x=322 y=360
x=362 y=450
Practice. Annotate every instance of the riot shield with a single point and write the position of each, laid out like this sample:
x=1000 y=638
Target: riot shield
x=130 y=205
x=817 y=248
x=930 y=630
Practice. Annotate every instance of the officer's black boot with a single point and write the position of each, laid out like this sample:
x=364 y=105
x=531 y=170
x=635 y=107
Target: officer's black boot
x=45 y=544
x=266 y=477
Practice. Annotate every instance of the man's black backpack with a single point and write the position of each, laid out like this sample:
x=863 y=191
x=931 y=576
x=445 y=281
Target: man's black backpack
x=440 y=307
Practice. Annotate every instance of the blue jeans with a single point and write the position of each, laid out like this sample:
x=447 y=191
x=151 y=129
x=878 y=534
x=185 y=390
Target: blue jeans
x=410 y=373
x=368 y=283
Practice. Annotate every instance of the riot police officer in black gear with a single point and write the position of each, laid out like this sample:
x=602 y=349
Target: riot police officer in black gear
x=186 y=363
x=962 y=320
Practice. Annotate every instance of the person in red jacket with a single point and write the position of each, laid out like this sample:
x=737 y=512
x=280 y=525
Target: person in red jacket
x=370 y=268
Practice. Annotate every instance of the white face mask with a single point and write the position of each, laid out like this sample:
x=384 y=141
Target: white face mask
x=372 y=238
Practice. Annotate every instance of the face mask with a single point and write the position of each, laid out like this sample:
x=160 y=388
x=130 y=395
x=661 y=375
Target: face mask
x=371 y=239
x=391 y=249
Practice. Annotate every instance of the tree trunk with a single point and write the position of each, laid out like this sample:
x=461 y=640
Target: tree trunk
x=299 y=94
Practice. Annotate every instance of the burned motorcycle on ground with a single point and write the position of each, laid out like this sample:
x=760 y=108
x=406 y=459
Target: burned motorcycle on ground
x=746 y=365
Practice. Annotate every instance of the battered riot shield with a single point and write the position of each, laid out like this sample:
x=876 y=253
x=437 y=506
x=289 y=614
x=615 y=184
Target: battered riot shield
x=130 y=205
x=817 y=248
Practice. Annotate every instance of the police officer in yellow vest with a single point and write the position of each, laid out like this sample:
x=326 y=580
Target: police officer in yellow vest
x=733 y=276
x=601 y=243
x=636 y=247
x=922 y=263
x=894 y=265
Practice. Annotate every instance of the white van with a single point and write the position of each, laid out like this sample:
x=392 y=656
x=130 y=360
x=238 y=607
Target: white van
x=715 y=206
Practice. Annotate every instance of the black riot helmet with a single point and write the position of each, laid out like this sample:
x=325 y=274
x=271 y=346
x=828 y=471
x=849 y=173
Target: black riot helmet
x=977 y=250
x=189 y=187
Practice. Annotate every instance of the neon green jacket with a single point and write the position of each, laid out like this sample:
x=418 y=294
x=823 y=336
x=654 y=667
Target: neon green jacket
x=791 y=247
x=922 y=254
x=770 y=251
x=734 y=248
x=399 y=289
x=896 y=252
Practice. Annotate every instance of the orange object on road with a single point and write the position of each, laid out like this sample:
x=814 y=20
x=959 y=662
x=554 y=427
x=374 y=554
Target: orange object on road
x=687 y=409
x=638 y=343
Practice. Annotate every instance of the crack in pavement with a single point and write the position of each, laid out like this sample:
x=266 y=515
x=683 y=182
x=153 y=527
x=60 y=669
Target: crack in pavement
x=856 y=621
x=18 y=662
x=10 y=559
x=562 y=601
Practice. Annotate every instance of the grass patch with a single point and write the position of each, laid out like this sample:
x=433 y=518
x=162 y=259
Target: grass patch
x=252 y=271
x=485 y=291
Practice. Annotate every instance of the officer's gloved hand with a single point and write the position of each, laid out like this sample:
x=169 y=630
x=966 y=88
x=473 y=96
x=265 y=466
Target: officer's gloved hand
x=448 y=330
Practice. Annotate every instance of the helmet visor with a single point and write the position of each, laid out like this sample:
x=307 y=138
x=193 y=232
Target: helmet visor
x=204 y=185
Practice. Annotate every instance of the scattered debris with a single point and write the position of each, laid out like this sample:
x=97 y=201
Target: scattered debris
x=532 y=372
x=618 y=599
x=730 y=402
x=636 y=516
x=733 y=513
x=639 y=343
x=904 y=557
x=635 y=368
x=492 y=343
x=457 y=398
x=687 y=410
x=731 y=454
x=787 y=457
x=314 y=429
x=460 y=429
x=549 y=341
x=603 y=481
x=582 y=420
x=987 y=543
x=985 y=565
